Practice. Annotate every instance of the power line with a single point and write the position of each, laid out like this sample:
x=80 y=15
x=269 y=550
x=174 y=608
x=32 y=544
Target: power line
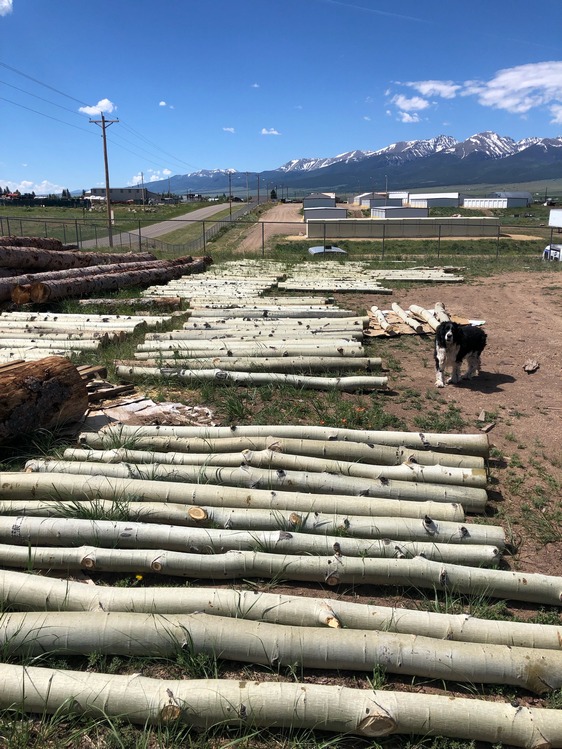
x=47 y=101
x=46 y=85
x=50 y=117
x=78 y=101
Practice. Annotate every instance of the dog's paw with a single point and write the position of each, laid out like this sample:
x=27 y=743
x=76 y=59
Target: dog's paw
x=439 y=384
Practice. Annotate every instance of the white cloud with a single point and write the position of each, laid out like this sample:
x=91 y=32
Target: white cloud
x=39 y=188
x=413 y=104
x=255 y=85
x=229 y=130
x=519 y=89
x=162 y=104
x=407 y=117
x=151 y=175
x=366 y=118
x=556 y=112
x=444 y=89
x=5 y=7
x=104 y=105
x=271 y=131
x=515 y=90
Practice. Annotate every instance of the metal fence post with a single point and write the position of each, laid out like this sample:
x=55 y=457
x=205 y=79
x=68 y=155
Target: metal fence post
x=439 y=241
x=498 y=244
x=383 y=240
x=46 y=235
x=64 y=232
x=76 y=231
x=8 y=224
x=262 y=239
x=204 y=238
x=140 y=237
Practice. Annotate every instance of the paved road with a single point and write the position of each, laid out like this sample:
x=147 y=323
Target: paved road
x=157 y=230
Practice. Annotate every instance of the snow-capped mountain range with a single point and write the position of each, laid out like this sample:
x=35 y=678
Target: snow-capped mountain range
x=482 y=158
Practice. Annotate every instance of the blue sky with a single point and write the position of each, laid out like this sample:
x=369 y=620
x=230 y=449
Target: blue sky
x=252 y=84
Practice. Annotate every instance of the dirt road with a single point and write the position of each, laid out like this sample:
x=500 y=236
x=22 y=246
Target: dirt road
x=282 y=219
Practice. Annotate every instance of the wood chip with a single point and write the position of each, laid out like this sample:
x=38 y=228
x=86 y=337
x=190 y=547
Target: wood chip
x=531 y=365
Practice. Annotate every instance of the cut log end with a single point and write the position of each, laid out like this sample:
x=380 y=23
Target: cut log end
x=198 y=514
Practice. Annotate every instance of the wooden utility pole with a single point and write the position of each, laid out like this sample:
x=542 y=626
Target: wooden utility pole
x=104 y=124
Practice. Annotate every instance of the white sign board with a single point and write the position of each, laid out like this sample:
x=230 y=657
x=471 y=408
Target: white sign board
x=555 y=218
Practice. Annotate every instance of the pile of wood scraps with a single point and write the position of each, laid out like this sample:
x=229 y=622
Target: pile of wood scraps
x=413 y=320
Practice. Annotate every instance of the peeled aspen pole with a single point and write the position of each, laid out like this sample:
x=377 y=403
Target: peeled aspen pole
x=346 y=384
x=60 y=345
x=472 y=499
x=304 y=314
x=239 y=347
x=469 y=444
x=382 y=321
x=61 y=486
x=268 y=364
x=210 y=702
x=418 y=573
x=406 y=318
x=361 y=452
x=23 y=591
x=440 y=312
x=437 y=474
x=424 y=314
x=119 y=633
x=424 y=528
x=134 y=535
x=310 y=335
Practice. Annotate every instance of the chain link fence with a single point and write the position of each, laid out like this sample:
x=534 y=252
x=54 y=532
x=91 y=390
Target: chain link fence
x=257 y=236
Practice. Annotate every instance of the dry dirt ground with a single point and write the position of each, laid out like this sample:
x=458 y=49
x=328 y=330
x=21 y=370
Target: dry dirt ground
x=523 y=320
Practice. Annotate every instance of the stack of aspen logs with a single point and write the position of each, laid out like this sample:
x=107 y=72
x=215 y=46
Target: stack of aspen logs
x=235 y=335
x=401 y=521
x=34 y=335
x=351 y=276
x=40 y=275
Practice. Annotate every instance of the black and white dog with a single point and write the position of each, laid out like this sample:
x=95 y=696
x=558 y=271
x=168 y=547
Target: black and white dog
x=454 y=343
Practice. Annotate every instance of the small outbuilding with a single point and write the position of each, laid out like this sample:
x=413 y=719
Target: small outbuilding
x=515 y=199
x=406 y=211
x=319 y=200
x=337 y=212
x=435 y=200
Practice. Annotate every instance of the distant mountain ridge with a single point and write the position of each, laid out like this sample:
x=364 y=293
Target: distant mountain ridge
x=482 y=158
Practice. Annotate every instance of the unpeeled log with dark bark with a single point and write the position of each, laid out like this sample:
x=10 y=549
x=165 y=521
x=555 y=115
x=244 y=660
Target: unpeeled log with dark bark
x=40 y=395
x=169 y=269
